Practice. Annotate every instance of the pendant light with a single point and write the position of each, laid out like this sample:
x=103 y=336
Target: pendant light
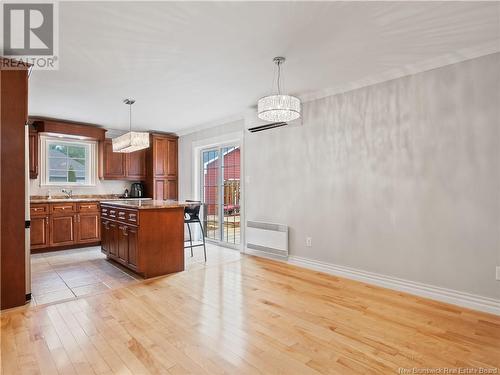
x=131 y=141
x=278 y=107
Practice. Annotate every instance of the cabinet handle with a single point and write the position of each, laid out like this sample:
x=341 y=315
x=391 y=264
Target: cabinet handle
x=47 y=220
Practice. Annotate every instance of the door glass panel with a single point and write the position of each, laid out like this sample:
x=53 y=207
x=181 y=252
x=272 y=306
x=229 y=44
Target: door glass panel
x=211 y=193
x=231 y=194
x=221 y=193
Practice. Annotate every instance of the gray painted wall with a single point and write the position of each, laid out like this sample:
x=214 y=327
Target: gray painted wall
x=401 y=178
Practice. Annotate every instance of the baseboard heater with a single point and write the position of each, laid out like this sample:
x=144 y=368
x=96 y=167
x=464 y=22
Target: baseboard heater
x=267 y=239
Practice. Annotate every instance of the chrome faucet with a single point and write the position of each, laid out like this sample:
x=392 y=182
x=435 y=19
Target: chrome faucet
x=69 y=193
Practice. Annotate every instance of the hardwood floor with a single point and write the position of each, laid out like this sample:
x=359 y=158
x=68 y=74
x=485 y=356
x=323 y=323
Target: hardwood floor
x=246 y=315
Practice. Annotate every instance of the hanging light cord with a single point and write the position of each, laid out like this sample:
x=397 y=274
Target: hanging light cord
x=279 y=77
x=130 y=116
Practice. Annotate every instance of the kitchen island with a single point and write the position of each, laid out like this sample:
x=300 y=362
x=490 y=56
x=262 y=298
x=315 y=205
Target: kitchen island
x=146 y=236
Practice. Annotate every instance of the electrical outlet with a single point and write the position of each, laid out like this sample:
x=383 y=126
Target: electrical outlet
x=308 y=241
x=498 y=273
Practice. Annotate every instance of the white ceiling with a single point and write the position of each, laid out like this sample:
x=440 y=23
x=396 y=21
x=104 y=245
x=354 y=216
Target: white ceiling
x=192 y=63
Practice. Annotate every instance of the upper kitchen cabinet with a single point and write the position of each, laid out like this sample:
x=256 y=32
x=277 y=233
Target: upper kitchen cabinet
x=161 y=181
x=123 y=166
x=135 y=165
x=113 y=162
x=33 y=152
x=164 y=154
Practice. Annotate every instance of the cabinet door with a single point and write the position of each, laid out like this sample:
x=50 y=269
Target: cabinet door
x=171 y=159
x=160 y=154
x=132 y=247
x=113 y=240
x=105 y=236
x=123 y=244
x=136 y=165
x=39 y=232
x=159 y=191
x=62 y=230
x=170 y=189
x=88 y=227
x=33 y=154
x=113 y=162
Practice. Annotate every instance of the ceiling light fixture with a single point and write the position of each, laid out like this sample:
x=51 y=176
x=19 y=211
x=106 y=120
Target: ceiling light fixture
x=131 y=141
x=278 y=107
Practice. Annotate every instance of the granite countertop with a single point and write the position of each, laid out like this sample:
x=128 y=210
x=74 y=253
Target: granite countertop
x=82 y=198
x=148 y=204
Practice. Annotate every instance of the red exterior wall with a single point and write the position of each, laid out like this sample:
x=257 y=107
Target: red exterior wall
x=231 y=172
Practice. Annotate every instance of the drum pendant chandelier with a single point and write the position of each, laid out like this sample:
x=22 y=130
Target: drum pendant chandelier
x=278 y=107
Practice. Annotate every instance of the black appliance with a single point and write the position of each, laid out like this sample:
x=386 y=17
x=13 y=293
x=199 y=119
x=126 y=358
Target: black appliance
x=137 y=190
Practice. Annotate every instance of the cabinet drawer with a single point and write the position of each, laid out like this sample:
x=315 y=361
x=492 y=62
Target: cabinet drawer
x=88 y=207
x=133 y=217
x=121 y=215
x=39 y=209
x=62 y=208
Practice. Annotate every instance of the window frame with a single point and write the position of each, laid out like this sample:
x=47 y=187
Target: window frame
x=91 y=160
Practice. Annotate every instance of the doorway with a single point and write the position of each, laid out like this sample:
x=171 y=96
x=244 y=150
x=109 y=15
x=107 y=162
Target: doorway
x=220 y=193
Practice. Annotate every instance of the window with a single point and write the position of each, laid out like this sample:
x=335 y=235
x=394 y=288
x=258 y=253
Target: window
x=67 y=161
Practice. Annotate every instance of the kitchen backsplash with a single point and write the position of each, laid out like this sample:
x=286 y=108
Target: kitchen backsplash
x=102 y=187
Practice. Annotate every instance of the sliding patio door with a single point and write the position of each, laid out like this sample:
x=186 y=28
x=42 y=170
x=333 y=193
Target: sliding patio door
x=220 y=184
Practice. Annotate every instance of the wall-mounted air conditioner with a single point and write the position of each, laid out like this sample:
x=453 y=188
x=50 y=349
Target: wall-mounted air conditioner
x=254 y=124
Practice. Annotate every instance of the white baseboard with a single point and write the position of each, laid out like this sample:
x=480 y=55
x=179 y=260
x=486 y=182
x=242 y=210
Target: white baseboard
x=454 y=297
x=471 y=301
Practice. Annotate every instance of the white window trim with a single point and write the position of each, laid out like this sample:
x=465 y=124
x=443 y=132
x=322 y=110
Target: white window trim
x=91 y=166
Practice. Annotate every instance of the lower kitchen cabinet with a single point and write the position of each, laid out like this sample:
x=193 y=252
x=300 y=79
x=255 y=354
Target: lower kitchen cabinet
x=105 y=236
x=39 y=232
x=150 y=242
x=119 y=242
x=122 y=244
x=88 y=227
x=64 y=224
x=62 y=230
x=113 y=240
x=132 y=247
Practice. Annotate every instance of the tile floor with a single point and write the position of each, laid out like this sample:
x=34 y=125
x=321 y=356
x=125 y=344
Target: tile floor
x=70 y=274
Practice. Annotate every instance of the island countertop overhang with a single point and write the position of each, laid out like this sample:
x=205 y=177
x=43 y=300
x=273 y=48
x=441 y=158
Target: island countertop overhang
x=148 y=204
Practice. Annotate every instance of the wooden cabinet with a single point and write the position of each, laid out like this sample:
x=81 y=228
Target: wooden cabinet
x=165 y=189
x=162 y=160
x=39 y=229
x=88 y=227
x=172 y=158
x=136 y=165
x=113 y=162
x=39 y=232
x=105 y=236
x=62 y=230
x=113 y=240
x=64 y=224
x=122 y=244
x=123 y=166
x=132 y=247
x=33 y=153
x=147 y=241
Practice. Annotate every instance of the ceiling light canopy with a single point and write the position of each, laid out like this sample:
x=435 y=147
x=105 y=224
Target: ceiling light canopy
x=278 y=107
x=131 y=141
